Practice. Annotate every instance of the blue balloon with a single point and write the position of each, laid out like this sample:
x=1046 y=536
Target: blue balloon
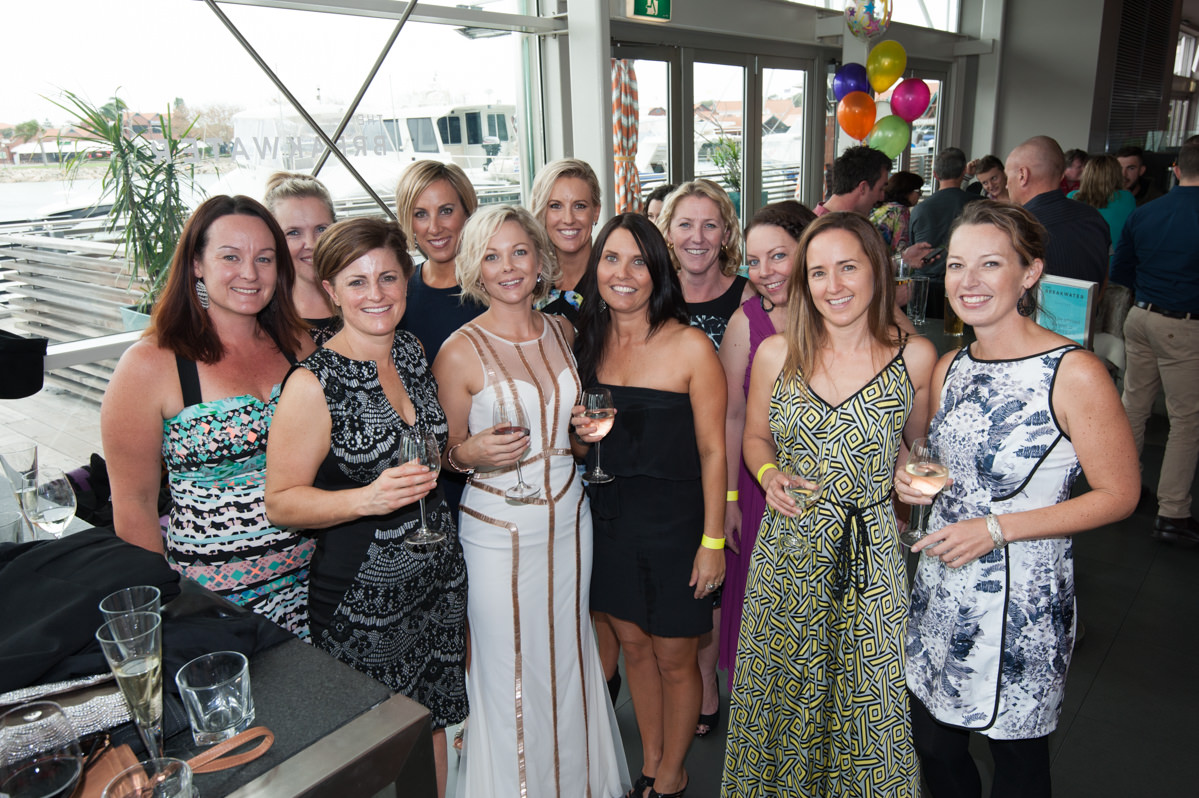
x=850 y=78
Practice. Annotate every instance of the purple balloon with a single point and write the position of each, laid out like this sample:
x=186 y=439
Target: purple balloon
x=850 y=78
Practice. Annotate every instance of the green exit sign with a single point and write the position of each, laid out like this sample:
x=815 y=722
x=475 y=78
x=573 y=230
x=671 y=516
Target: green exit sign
x=656 y=10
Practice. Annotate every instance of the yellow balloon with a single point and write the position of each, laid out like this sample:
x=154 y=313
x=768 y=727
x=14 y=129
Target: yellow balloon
x=886 y=64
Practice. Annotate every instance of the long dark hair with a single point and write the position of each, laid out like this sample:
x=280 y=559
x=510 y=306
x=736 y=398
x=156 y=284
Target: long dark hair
x=181 y=325
x=666 y=300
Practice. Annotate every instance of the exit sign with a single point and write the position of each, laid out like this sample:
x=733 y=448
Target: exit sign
x=656 y=10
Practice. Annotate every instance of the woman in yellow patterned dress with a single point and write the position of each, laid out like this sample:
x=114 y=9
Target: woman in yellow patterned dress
x=819 y=706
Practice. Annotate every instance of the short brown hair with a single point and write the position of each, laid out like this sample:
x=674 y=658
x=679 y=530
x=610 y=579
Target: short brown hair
x=347 y=241
x=179 y=323
x=418 y=177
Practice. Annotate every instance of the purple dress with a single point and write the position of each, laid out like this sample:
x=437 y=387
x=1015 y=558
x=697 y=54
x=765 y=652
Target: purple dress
x=752 y=502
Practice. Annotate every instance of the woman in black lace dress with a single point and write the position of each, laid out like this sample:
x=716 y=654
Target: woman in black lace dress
x=333 y=467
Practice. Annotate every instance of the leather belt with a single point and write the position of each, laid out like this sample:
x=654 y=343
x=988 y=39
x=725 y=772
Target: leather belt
x=1169 y=314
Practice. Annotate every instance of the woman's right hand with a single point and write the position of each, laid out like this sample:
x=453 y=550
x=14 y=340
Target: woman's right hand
x=775 y=483
x=397 y=487
x=486 y=450
x=908 y=494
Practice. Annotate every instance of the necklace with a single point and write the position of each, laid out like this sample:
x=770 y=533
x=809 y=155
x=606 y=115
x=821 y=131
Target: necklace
x=765 y=304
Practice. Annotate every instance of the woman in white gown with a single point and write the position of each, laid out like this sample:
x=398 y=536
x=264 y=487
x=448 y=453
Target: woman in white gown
x=541 y=722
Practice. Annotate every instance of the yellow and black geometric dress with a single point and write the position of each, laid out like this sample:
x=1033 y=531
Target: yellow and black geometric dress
x=819 y=707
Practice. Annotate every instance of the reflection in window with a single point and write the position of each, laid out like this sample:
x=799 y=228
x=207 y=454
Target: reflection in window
x=936 y=14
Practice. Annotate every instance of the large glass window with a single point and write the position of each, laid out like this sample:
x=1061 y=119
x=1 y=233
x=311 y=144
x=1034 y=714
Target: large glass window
x=782 y=132
x=718 y=111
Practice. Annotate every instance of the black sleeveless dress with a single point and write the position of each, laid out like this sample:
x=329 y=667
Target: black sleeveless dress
x=649 y=520
x=396 y=615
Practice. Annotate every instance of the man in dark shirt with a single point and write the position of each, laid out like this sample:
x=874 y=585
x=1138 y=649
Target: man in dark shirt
x=1132 y=166
x=1079 y=239
x=932 y=218
x=1158 y=257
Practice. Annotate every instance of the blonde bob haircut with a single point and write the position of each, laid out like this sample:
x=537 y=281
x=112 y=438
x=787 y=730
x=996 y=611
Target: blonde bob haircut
x=543 y=184
x=806 y=332
x=418 y=177
x=477 y=235
x=296 y=185
x=730 y=251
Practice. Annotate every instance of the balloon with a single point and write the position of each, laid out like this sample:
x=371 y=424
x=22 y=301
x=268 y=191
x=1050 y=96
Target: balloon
x=910 y=99
x=886 y=64
x=855 y=114
x=890 y=136
x=851 y=77
x=868 y=19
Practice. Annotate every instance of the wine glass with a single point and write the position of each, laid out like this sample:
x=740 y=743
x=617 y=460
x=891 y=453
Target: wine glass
x=52 y=505
x=929 y=475
x=597 y=407
x=20 y=466
x=509 y=416
x=40 y=755
x=421 y=448
x=132 y=644
x=809 y=473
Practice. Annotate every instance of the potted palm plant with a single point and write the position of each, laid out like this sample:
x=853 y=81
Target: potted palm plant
x=146 y=182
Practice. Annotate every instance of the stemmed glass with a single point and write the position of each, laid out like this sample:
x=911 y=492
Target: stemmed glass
x=929 y=475
x=132 y=644
x=508 y=417
x=809 y=473
x=52 y=505
x=597 y=407
x=20 y=466
x=40 y=755
x=421 y=448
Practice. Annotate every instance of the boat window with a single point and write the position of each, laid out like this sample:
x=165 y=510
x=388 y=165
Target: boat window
x=424 y=139
x=451 y=129
x=474 y=128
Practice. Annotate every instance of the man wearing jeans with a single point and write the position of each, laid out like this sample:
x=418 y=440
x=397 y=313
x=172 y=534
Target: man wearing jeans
x=1158 y=257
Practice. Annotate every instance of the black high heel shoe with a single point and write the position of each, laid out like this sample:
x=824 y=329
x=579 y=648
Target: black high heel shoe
x=655 y=794
x=642 y=784
x=707 y=723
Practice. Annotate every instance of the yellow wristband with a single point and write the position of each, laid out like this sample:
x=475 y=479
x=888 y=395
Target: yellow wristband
x=712 y=543
x=731 y=496
x=763 y=470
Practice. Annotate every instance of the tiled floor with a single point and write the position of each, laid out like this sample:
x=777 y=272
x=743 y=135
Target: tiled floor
x=1129 y=726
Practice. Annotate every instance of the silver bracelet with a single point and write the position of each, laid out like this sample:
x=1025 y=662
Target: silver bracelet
x=449 y=456
x=996 y=532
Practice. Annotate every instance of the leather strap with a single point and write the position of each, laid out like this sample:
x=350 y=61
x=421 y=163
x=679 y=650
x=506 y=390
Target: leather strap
x=220 y=756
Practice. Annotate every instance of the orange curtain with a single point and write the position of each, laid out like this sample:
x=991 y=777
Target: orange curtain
x=624 y=136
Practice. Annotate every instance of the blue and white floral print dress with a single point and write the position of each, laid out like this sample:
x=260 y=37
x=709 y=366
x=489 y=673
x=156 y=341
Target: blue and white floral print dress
x=988 y=644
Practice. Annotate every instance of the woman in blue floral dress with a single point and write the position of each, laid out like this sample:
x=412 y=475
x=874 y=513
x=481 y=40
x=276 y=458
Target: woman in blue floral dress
x=1017 y=416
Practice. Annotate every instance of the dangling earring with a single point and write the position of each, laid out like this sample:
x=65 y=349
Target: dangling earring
x=202 y=293
x=603 y=306
x=539 y=280
x=1026 y=305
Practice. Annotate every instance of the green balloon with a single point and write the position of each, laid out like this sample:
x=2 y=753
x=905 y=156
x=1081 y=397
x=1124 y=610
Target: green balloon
x=890 y=136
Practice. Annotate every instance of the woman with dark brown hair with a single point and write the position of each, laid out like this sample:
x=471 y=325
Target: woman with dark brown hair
x=198 y=392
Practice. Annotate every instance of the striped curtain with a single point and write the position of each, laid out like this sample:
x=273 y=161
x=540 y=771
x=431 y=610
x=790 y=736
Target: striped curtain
x=624 y=136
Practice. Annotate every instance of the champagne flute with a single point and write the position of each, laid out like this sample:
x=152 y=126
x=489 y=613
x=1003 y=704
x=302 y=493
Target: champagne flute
x=810 y=472
x=40 y=755
x=52 y=505
x=20 y=466
x=929 y=475
x=509 y=416
x=597 y=407
x=132 y=644
x=421 y=448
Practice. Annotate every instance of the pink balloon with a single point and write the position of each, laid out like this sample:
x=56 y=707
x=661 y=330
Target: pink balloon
x=910 y=99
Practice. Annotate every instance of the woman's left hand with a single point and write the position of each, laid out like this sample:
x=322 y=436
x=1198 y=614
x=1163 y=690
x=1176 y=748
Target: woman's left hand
x=707 y=573
x=957 y=544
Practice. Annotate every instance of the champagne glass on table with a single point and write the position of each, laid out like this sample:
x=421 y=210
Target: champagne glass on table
x=20 y=466
x=132 y=644
x=508 y=417
x=40 y=755
x=929 y=475
x=52 y=505
x=598 y=409
x=421 y=448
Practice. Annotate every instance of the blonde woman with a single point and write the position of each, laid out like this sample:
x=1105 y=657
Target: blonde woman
x=433 y=202
x=303 y=208
x=566 y=200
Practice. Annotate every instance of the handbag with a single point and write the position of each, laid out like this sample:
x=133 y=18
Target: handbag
x=22 y=362
x=103 y=761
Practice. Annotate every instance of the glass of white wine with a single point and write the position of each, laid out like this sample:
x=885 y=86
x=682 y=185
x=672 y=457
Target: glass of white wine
x=929 y=475
x=132 y=644
x=509 y=416
x=52 y=505
x=421 y=448
x=20 y=466
x=809 y=473
x=597 y=407
x=40 y=755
